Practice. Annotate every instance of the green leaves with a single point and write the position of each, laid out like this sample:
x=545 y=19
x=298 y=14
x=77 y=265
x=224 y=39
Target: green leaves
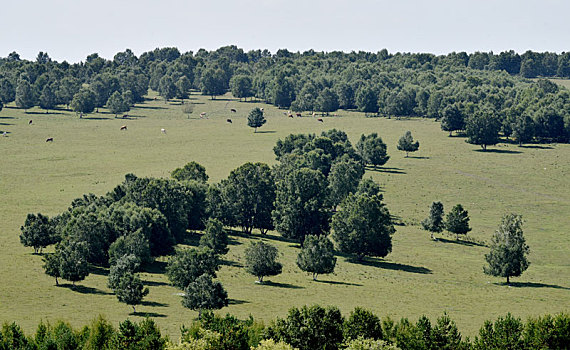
x=261 y=260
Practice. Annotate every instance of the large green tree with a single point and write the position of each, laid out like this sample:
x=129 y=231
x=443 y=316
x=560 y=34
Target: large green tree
x=434 y=222
x=188 y=264
x=482 y=128
x=344 y=177
x=508 y=249
x=73 y=259
x=406 y=143
x=83 y=101
x=261 y=260
x=190 y=171
x=212 y=82
x=327 y=101
x=167 y=87
x=372 y=149
x=215 y=237
x=255 y=118
x=363 y=226
x=317 y=256
x=241 y=86
x=38 y=232
x=47 y=99
x=204 y=294
x=130 y=290
x=117 y=104
x=301 y=204
x=452 y=118
x=457 y=221
x=25 y=97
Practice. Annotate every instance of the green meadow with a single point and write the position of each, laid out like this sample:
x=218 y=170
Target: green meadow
x=420 y=276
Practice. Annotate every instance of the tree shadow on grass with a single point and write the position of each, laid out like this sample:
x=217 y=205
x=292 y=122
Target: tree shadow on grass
x=98 y=270
x=147 y=314
x=385 y=170
x=44 y=113
x=265 y=132
x=417 y=157
x=466 y=243
x=494 y=150
x=339 y=283
x=268 y=236
x=237 y=302
x=153 y=303
x=149 y=107
x=95 y=118
x=7 y=117
x=537 y=147
x=6 y=124
x=226 y=262
x=280 y=285
x=530 y=285
x=154 y=283
x=390 y=265
x=84 y=289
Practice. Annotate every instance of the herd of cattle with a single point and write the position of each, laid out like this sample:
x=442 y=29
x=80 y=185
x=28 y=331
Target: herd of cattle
x=203 y=115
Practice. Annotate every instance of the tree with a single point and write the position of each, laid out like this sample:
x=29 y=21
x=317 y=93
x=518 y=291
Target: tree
x=74 y=266
x=48 y=100
x=52 y=266
x=363 y=226
x=130 y=290
x=190 y=171
x=123 y=265
x=434 y=222
x=482 y=129
x=362 y=323
x=248 y=195
x=508 y=249
x=188 y=264
x=372 y=149
x=366 y=100
x=134 y=243
x=327 y=101
x=452 y=119
x=25 y=95
x=506 y=333
x=117 y=104
x=255 y=118
x=407 y=144
x=183 y=85
x=215 y=237
x=344 y=177
x=523 y=128
x=7 y=91
x=261 y=260
x=188 y=109
x=240 y=85
x=83 y=101
x=457 y=221
x=37 y=232
x=212 y=82
x=301 y=204
x=166 y=88
x=369 y=344
x=317 y=256
x=204 y=294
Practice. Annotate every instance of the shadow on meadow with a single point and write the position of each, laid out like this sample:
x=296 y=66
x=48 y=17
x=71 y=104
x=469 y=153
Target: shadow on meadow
x=154 y=283
x=339 y=283
x=385 y=170
x=530 y=285
x=382 y=264
x=84 y=289
x=281 y=285
x=153 y=303
x=237 y=302
x=147 y=314
x=226 y=262
x=494 y=150
x=465 y=243
x=417 y=157
x=536 y=147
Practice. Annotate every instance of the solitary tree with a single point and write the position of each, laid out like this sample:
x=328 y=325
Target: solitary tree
x=117 y=104
x=130 y=290
x=363 y=226
x=457 y=221
x=482 y=129
x=255 y=119
x=407 y=144
x=52 y=266
x=215 y=237
x=261 y=260
x=37 y=232
x=434 y=222
x=188 y=264
x=188 y=109
x=508 y=250
x=317 y=256
x=372 y=150
x=204 y=294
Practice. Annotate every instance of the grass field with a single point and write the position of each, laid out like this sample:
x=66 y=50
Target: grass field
x=419 y=277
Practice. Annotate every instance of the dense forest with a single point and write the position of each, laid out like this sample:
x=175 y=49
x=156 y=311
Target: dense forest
x=485 y=95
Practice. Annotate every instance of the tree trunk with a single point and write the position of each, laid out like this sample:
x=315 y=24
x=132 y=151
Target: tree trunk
x=407 y=154
x=508 y=282
x=450 y=133
x=134 y=310
x=56 y=282
x=199 y=314
x=255 y=130
x=260 y=279
x=314 y=276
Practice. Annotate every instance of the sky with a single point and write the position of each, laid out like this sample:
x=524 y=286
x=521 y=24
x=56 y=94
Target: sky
x=72 y=29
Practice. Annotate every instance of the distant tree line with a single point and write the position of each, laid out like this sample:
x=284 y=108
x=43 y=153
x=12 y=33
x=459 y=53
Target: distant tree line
x=304 y=328
x=482 y=94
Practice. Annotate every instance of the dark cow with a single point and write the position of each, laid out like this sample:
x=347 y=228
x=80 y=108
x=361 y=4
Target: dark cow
x=299 y=115
x=30 y=122
x=124 y=127
x=229 y=120
x=49 y=139
x=290 y=115
x=233 y=110
x=320 y=120
x=125 y=116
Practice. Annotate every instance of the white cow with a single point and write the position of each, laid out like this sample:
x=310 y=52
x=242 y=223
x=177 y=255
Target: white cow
x=163 y=131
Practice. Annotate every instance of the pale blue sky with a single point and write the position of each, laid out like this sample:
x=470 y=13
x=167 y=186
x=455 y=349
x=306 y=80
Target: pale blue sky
x=72 y=29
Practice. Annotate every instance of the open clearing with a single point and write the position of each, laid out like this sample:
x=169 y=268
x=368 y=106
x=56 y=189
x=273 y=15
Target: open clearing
x=419 y=277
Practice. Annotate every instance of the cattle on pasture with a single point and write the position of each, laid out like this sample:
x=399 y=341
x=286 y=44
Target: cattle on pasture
x=49 y=139
x=30 y=122
x=233 y=110
x=299 y=115
x=229 y=121
x=163 y=131
x=320 y=120
x=124 y=127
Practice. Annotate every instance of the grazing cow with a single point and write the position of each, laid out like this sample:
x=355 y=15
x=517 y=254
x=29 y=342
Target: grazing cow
x=290 y=115
x=229 y=120
x=233 y=110
x=163 y=131
x=30 y=122
x=314 y=114
x=5 y=134
x=320 y=120
x=299 y=115
x=261 y=109
x=202 y=115
x=125 y=116
x=49 y=139
x=124 y=127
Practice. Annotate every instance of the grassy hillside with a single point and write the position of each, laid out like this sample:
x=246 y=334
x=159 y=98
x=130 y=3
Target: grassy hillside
x=419 y=277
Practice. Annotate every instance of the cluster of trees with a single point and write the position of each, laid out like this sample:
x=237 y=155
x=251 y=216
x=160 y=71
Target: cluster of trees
x=318 y=327
x=464 y=91
x=456 y=221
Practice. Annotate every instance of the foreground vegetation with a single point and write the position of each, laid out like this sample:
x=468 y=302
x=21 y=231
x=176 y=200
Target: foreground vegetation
x=91 y=155
x=329 y=330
